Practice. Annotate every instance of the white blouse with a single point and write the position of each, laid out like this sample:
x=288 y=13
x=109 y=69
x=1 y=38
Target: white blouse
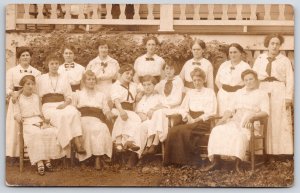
x=203 y=100
x=109 y=72
x=231 y=77
x=148 y=102
x=15 y=74
x=74 y=74
x=281 y=69
x=153 y=68
x=61 y=86
x=205 y=65
x=121 y=93
x=175 y=96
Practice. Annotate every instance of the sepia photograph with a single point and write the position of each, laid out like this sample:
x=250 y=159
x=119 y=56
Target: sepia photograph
x=149 y=95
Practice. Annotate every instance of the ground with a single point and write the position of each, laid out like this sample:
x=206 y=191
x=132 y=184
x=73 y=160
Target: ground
x=152 y=173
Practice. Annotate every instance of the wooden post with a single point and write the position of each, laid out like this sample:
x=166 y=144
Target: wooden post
x=166 y=17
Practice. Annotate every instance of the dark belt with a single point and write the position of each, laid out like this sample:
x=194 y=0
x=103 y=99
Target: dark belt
x=17 y=88
x=191 y=84
x=52 y=98
x=229 y=88
x=157 y=78
x=270 y=79
x=195 y=114
x=92 y=112
x=127 y=106
x=75 y=87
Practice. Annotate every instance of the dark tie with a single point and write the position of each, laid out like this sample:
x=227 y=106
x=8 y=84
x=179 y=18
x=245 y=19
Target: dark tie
x=197 y=63
x=21 y=71
x=71 y=65
x=269 y=65
x=168 y=87
x=150 y=59
x=129 y=95
x=232 y=68
x=104 y=64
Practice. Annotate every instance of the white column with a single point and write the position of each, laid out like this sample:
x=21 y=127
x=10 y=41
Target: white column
x=81 y=11
x=95 y=11
x=267 y=12
x=108 y=11
x=281 y=12
x=53 y=11
x=136 y=11
x=122 y=10
x=40 y=8
x=239 y=9
x=150 y=12
x=253 y=12
x=182 y=12
x=225 y=12
x=196 y=12
x=26 y=9
x=166 y=17
x=68 y=14
x=210 y=12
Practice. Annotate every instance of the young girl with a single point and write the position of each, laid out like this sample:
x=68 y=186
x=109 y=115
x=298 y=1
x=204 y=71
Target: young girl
x=94 y=110
x=126 y=131
x=39 y=137
x=147 y=105
x=198 y=49
x=55 y=92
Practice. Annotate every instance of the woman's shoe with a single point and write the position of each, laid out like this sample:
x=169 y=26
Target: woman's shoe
x=119 y=147
x=129 y=145
x=98 y=164
x=152 y=150
x=41 y=170
x=48 y=167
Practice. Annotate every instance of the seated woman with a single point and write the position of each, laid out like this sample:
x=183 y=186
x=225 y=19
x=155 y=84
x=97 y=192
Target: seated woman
x=147 y=105
x=231 y=136
x=197 y=107
x=94 y=109
x=39 y=137
x=55 y=92
x=126 y=131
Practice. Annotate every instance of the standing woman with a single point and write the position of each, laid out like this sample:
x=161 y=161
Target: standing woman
x=199 y=61
x=277 y=78
x=71 y=69
x=13 y=77
x=228 y=77
x=149 y=63
x=94 y=109
x=105 y=68
x=56 y=96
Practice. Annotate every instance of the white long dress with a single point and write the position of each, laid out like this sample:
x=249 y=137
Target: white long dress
x=105 y=75
x=280 y=129
x=41 y=143
x=130 y=127
x=73 y=71
x=96 y=135
x=231 y=77
x=67 y=120
x=231 y=139
x=13 y=77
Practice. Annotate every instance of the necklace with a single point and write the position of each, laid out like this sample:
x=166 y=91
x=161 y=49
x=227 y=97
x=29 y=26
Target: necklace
x=51 y=82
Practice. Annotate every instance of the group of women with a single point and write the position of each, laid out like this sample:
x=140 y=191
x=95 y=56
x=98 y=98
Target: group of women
x=71 y=103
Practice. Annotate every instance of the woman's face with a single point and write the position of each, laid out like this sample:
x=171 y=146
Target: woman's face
x=250 y=81
x=25 y=58
x=53 y=66
x=127 y=76
x=198 y=82
x=68 y=56
x=90 y=82
x=151 y=46
x=274 y=46
x=28 y=87
x=148 y=87
x=234 y=54
x=169 y=72
x=103 y=50
x=197 y=51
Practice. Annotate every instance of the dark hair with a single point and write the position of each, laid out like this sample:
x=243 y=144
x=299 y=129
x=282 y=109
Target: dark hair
x=237 y=46
x=269 y=37
x=102 y=43
x=249 y=71
x=201 y=43
x=147 y=78
x=69 y=47
x=25 y=79
x=52 y=58
x=88 y=73
x=198 y=72
x=126 y=67
x=147 y=38
x=21 y=50
x=171 y=64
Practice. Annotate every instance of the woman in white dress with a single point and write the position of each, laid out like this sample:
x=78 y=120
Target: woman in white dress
x=199 y=61
x=106 y=69
x=13 y=77
x=149 y=63
x=126 y=129
x=94 y=110
x=277 y=78
x=71 y=69
x=56 y=96
x=39 y=137
x=232 y=134
x=228 y=78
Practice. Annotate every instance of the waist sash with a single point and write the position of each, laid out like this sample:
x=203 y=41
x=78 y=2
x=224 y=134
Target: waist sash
x=75 y=87
x=270 y=79
x=229 y=88
x=127 y=106
x=92 y=112
x=195 y=114
x=17 y=88
x=52 y=98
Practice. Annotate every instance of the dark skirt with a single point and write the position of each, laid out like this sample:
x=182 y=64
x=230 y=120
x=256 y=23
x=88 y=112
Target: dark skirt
x=182 y=146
